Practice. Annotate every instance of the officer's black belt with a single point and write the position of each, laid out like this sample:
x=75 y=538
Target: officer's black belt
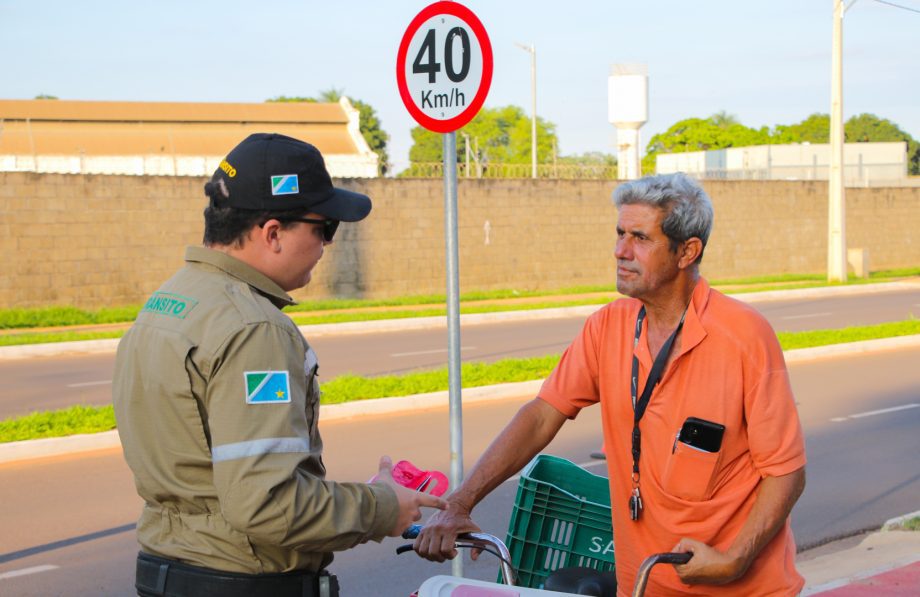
x=168 y=578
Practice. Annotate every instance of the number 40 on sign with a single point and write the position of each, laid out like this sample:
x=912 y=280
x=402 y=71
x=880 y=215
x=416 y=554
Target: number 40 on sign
x=444 y=66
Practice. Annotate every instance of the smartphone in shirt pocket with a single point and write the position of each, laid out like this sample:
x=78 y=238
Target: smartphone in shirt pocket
x=691 y=470
x=701 y=434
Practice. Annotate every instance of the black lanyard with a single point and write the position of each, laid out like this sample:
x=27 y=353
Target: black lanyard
x=640 y=404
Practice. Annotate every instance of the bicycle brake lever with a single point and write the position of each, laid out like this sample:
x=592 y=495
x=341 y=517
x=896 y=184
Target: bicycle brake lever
x=412 y=532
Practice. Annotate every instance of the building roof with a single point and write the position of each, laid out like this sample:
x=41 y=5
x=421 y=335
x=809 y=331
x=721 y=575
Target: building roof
x=136 y=128
x=88 y=129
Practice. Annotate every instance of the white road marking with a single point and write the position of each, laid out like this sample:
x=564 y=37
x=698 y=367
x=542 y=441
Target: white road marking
x=872 y=413
x=89 y=383
x=27 y=571
x=807 y=316
x=435 y=351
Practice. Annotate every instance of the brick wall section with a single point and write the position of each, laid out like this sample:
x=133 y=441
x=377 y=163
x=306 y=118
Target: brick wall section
x=93 y=241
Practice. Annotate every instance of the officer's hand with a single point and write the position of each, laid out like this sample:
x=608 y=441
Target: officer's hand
x=410 y=502
x=708 y=565
x=436 y=541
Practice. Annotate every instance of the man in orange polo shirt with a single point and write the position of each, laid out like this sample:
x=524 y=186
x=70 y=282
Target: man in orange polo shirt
x=704 y=446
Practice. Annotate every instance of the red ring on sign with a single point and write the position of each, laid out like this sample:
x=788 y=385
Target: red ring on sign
x=467 y=16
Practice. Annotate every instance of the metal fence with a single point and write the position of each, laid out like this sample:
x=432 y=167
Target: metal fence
x=491 y=170
x=854 y=174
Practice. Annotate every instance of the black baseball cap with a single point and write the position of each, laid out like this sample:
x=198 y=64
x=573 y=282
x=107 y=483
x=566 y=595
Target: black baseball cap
x=272 y=172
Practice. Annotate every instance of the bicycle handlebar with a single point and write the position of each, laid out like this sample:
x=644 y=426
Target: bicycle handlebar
x=646 y=567
x=476 y=541
x=485 y=540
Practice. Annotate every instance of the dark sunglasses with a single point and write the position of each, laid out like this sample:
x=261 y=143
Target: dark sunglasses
x=329 y=226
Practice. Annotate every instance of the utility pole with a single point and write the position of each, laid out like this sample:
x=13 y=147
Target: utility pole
x=533 y=106
x=836 y=213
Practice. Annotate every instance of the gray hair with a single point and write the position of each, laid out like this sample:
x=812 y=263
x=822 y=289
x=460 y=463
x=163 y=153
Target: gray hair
x=687 y=207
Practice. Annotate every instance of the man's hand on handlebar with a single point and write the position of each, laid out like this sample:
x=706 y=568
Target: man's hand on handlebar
x=708 y=565
x=436 y=541
x=410 y=502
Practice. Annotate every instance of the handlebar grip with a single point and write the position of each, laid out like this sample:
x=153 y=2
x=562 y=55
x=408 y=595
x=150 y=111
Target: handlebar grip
x=412 y=532
x=674 y=558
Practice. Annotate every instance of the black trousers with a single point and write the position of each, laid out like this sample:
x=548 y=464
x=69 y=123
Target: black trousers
x=159 y=577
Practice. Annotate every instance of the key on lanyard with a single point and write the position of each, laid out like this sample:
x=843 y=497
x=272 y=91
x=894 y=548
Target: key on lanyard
x=635 y=504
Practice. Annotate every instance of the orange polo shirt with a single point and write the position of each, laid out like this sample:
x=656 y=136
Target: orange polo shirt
x=729 y=370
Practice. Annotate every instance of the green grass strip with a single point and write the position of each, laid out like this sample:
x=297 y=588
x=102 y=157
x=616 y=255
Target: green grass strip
x=436 y=299
x=345 y=388
x=68 y=316
x=810 y=339
x=912 y=524
x=53 y=337
x=58 y=423
x=62 y=316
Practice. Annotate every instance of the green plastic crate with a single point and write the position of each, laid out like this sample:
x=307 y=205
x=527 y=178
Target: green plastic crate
x=560 y=518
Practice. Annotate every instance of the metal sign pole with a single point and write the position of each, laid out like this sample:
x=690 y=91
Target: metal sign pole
x=443 y=105
x=453 y=319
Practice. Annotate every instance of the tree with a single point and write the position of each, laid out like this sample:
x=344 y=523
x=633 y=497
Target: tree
x=46 y=96
x=368 y=122
x=869 y=127
x=699 y=134
x=814 y=129
x=499 y=135
x=723 y=130
x=723 y=119
x=863 y=128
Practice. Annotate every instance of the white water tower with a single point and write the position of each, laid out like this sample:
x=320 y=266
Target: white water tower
x=627 y=95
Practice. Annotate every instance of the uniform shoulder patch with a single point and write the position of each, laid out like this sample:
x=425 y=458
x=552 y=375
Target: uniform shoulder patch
x=167 y=303
x=267 y=387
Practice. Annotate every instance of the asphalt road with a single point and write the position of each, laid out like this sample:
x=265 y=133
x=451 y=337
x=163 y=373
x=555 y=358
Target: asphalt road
x=57 y=382
x=68 y=522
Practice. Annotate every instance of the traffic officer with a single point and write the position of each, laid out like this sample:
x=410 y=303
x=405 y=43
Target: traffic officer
x=217 y=400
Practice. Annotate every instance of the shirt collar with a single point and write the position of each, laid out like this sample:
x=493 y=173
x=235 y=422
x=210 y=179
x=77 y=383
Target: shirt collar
x=693 y=331
x=242 y=271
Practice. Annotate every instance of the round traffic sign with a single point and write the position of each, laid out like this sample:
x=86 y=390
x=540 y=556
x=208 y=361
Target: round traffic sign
x=444 y=66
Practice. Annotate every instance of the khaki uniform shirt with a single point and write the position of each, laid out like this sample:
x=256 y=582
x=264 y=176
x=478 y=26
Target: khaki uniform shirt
x=217 y=403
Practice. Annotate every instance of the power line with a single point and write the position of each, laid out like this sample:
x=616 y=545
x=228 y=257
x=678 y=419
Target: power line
x=898 y=6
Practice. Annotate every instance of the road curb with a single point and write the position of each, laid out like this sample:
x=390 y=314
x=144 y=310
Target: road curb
x=894 y=523
x=57 y=446
x=800 y=355
x=53 y=349
x=424 y=323
x=40 y=448
x=877 y=553
x=780 y=295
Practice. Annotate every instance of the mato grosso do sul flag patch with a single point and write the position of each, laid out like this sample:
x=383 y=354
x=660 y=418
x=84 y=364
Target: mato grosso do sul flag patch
x=267 y=387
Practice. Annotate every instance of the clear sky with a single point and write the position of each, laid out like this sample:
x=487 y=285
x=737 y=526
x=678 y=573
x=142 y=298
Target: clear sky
x=767 y=63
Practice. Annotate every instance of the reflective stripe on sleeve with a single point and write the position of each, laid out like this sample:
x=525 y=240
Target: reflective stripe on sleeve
x=258 y=447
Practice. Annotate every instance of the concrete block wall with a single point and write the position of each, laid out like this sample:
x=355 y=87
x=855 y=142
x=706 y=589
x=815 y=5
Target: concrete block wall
x=93 y=240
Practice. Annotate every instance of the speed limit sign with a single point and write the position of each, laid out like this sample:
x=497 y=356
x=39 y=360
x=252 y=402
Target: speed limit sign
x=444 y=66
